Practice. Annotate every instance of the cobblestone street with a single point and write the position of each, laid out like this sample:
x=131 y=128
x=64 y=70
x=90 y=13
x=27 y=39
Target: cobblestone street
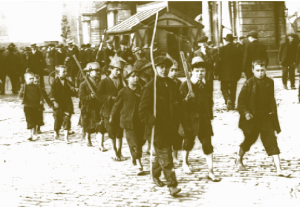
x=52 y=173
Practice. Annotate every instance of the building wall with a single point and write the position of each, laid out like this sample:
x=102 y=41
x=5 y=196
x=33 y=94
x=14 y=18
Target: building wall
x=267 y=18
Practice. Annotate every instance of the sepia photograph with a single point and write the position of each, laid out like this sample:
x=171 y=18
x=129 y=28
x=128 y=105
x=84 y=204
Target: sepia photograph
x=149 y=103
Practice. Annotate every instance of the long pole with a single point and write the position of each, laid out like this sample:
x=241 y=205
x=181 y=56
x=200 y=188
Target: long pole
x=154 y=92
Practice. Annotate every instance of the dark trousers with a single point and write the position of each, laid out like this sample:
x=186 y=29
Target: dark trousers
x=61 y=119
x=164 y=162
x=228 y=89
x=263 y=126
x=135 y=142
x=288 y=72
x=15 y=82
x=32 y=115
x=204 y=136
x=113 y=129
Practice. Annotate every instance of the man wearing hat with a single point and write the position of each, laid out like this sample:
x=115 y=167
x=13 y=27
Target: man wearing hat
x=90 y=106
x=60 y=56
x=89 y=53
x=168 y=113
x=82 y=56
x=107 y=92
x=229 y=69
x=51 y=57
x=240 y=44
x=254 y=50
x=37 y=63
x=70 y=61
x=12 y=67
x=125 y=53
x=287 y=59
x=108 y=51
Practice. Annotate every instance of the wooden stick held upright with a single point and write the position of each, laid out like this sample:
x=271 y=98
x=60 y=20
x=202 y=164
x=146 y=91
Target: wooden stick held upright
x=186 y=71
x=154 y=94
x=85 y=78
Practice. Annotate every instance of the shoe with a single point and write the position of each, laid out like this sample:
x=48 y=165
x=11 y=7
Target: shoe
x=158 y=182
x=174 y=191
x=285 y=174
x=89 y=144
x=140 y=171
x=285 y=87
x=29 y=139
x=293 y=87
x=71 y=132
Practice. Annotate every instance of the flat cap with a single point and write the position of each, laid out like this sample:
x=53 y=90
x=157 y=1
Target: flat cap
x=162 y=59
x=11 y=45
x=142 y=64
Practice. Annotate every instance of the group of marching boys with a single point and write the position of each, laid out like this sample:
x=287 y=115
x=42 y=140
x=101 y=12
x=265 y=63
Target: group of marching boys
x=124 y=102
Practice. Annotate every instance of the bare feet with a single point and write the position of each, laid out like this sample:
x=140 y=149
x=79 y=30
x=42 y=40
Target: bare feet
x=186 y=169
x=158 y=182
x=102 y=149
x=240 y=166
x=213 y=177
x=174 y=191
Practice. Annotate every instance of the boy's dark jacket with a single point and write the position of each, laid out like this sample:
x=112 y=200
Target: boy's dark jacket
x=127 y=105
x=105 y=93
x=165 y=122
x=62 y=95
x=246 y=103
x=87 y=102
x=191 y=112
x=23 y=92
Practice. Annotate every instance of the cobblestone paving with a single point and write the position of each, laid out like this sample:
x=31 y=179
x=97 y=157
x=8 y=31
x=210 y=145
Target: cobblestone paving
x=52 y=173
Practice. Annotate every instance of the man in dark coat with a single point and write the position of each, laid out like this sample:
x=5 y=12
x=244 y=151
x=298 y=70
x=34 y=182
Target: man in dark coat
x=254 y=50
x=2 y=73
x=70 y=61
x=12 y=67
x=51 y=57
x=82 y=56
x=125 y=53
x=90 y=106
x=240 y=44
x=228 y=70
x=258 y=115
x=37 y=63
x=108 y=52
x=168 y=112
x=287 y=59
x=89 y=53
x=60 y=56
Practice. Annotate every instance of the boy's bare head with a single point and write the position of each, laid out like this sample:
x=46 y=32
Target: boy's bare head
x=29 y=78
x=61 y=71
x=259 y=68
